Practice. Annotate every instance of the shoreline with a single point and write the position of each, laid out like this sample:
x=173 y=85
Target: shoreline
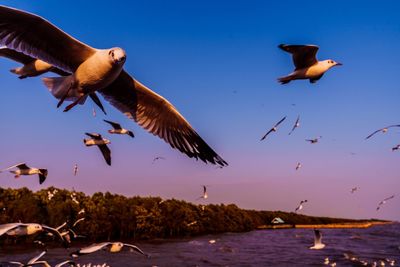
x=345 y=225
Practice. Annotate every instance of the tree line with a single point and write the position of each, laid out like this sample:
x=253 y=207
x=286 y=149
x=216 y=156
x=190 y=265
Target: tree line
x=117 y=217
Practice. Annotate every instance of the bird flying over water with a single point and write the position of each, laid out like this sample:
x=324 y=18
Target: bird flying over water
x=383 y=130
x=306 y=64
x=300 y=207
x=273 y=129
x=314 y=140
x=118 y=129
x=296 y=125
x=98 y=140
x=317 y=240
x=384 y=202
x=23 y=169
x=112 y=247
x=99 y=70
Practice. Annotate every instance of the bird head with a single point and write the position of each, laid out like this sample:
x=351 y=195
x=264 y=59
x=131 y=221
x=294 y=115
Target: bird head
x=34 y=228
x=117 y=55
x=106 y=141
x=331 y=63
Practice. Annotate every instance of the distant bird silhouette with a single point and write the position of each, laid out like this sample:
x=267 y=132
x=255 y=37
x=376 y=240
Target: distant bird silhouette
x=273 y=129
x=298 y=166
x=23 y=169
x=75 y=169
x=317 y=240
x=157 y=159
x=300 y=207
x=314 y=141
x=383 y=130
x=306 y=64
x=354 y=189
x=397 y=147
x=296 y=125
x=383 y=202
x=112 y=247
x=205 y=195
x=98 y=140
x=118 y=129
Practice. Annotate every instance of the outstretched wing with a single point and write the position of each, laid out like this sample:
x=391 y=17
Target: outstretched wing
x=33 y=260
x=279 y=122
x=377 y=131
x=90 y=249
x=38 y=38
x=135 y=248
x=94 y=136
x=159 y=117
x=106 y=153
x=115 y=125
x=304 y=56
x=4 y=228
x=317 y=237
x=295 y=125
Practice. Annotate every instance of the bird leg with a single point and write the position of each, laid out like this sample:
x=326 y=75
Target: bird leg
x=75 y=103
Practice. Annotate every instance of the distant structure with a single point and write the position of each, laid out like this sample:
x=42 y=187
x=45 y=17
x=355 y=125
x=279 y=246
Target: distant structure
x=277 y=220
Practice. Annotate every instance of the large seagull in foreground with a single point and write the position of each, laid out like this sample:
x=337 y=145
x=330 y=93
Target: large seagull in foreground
x=99 y=70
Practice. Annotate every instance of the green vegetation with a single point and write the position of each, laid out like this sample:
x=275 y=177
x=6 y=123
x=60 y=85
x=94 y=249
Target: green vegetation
x=114 y=217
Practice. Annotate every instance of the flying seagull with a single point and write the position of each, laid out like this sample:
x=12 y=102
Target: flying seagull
x=354 y=189
x=273 y=129
x=157 y=158
x=34 y=67
x=384 y=202
x=306 y=64
x=205 y=195
x=118 y=129
x=300 y=207
x=32 y=262
x=26 y=229
x=296 y=125
x=397 y=147
x=23 y=169
x=383 y=130
x=317 y=240
x=298 y=166
x=100 y=70
x=112 y=247
x=75 y=169
x=98 y=140
x=314 y=140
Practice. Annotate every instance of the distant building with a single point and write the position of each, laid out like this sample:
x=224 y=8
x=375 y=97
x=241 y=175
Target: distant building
x=277 y=220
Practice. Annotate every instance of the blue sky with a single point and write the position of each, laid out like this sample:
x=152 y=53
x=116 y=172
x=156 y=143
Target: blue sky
x=218 y=64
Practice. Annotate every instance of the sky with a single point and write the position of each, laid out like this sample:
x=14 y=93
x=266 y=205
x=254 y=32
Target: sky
x=217 y=62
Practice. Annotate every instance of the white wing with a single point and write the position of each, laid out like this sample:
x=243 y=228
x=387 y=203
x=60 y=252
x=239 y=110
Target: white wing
x=135 y=248
x=33 y=260
x=4 y=228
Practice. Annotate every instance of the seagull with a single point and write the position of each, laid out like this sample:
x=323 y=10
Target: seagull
x=273 y=129
x=157 y=158
x=98 y=140
x=354 y=189
x=314 y=141
x=317 y=240
x=23 y=169
x=383 y=130
x=112 y=247
x=75 y=169
x=306 y=63
x=396 y=147
x=26 y=229
x=384 y=202
x=118 y=129
x=34 y=67
x=205 y=195
x=100 y=70
x=32 y=262
x=300 y=207
x=298 y=166
x=296 y=125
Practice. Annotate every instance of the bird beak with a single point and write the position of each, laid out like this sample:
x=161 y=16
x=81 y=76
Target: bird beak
x=338 y=64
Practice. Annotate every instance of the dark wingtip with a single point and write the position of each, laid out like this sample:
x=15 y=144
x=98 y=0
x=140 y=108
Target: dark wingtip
x=131 y=134
x=281 y=46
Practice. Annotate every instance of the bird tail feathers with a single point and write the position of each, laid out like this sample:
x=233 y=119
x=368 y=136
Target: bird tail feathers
x=62 y=87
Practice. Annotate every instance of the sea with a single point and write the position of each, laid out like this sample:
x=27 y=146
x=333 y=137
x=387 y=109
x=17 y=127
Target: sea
x=286 y=247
